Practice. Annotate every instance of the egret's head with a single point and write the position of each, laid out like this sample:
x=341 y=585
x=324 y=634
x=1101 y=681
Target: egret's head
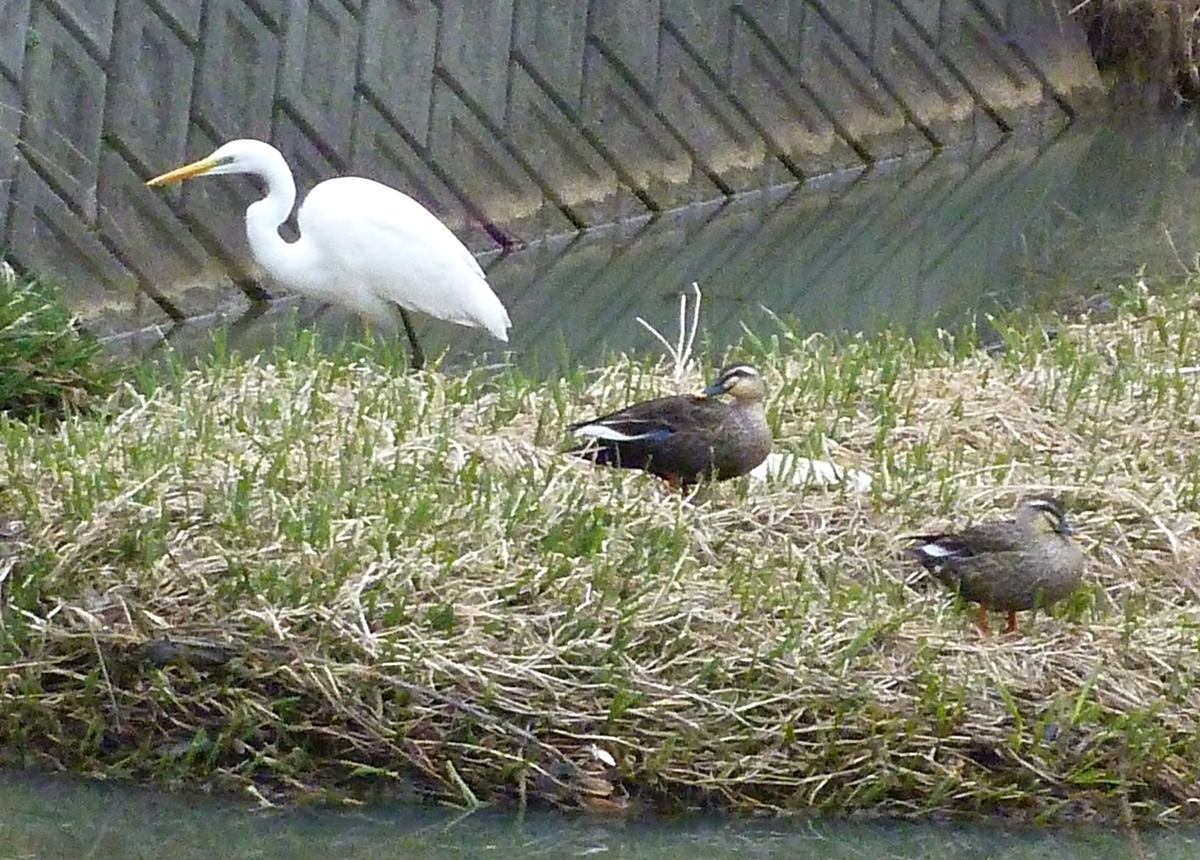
x=237 y=156
x=740 y=381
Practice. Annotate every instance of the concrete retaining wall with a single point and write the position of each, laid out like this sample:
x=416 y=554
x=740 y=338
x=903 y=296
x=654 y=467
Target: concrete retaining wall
x=511 y=119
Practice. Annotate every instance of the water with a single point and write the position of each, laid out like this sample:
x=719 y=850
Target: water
x=918 y=243
x=46 y=818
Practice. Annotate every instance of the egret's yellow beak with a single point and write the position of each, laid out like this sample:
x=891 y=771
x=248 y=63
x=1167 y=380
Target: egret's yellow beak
x=196 y=168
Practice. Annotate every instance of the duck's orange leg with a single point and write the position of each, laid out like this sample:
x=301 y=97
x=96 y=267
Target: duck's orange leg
x=981 y=618
x=1012 y=621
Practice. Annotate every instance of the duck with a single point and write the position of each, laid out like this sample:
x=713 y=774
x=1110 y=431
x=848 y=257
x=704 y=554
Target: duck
x=1031 y=560
x=685 y=438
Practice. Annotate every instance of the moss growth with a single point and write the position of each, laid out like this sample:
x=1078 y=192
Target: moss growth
x=315 y=577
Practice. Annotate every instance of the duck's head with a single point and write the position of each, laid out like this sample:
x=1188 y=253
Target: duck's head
x=740 y=381
x=1045 y=514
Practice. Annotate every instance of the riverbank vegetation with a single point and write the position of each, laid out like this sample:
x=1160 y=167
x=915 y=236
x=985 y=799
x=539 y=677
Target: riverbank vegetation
x=1152 y=43
x=314 y=577
x=48 y=366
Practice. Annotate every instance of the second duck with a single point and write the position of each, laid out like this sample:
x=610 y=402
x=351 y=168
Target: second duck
x=1010 y=565
x=685 y=438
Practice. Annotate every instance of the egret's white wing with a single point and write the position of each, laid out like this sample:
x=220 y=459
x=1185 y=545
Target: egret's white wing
x=384 y=247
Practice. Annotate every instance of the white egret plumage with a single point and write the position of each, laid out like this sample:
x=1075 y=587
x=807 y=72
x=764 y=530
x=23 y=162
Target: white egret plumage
x=362 y=245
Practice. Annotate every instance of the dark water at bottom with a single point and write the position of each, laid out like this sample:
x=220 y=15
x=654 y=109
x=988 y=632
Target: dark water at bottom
x=69 y=818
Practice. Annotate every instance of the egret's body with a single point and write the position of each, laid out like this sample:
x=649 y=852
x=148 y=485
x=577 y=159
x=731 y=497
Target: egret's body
x=362 y=245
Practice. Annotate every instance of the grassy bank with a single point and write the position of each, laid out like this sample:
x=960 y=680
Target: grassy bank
x=48 y=367
x=324 y=578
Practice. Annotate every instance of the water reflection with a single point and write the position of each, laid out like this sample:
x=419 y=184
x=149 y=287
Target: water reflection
x=919 y=242
x=78 y=819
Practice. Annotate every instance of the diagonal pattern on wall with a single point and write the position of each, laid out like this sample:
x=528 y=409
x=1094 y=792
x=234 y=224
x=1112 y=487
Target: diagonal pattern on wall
x=511 y=119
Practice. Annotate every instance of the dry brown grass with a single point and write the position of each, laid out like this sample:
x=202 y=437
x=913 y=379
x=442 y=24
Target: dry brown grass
x=318 y=579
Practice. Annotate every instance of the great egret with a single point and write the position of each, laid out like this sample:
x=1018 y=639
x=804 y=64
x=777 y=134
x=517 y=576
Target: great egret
x=362 y=245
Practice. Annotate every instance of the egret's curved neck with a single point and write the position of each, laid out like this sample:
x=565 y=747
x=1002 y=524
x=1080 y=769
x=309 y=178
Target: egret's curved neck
x=284 y=260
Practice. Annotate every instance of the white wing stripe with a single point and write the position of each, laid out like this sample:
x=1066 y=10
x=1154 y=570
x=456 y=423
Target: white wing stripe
x=603 y=431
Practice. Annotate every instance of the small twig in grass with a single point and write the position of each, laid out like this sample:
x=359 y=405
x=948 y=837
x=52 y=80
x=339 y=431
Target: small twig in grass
x=472 y=802
x=681 y=352
x=458 y=819
x=108 y=685
x=263 y=801
x=1187 y=273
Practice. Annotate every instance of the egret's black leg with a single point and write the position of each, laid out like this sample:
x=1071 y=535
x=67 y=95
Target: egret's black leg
x=416 y=358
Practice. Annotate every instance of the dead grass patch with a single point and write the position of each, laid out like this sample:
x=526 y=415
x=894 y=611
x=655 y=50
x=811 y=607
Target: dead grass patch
x=318 y=579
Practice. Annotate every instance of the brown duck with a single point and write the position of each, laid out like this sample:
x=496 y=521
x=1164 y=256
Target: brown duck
x=1009 y=565
x=687 y=437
